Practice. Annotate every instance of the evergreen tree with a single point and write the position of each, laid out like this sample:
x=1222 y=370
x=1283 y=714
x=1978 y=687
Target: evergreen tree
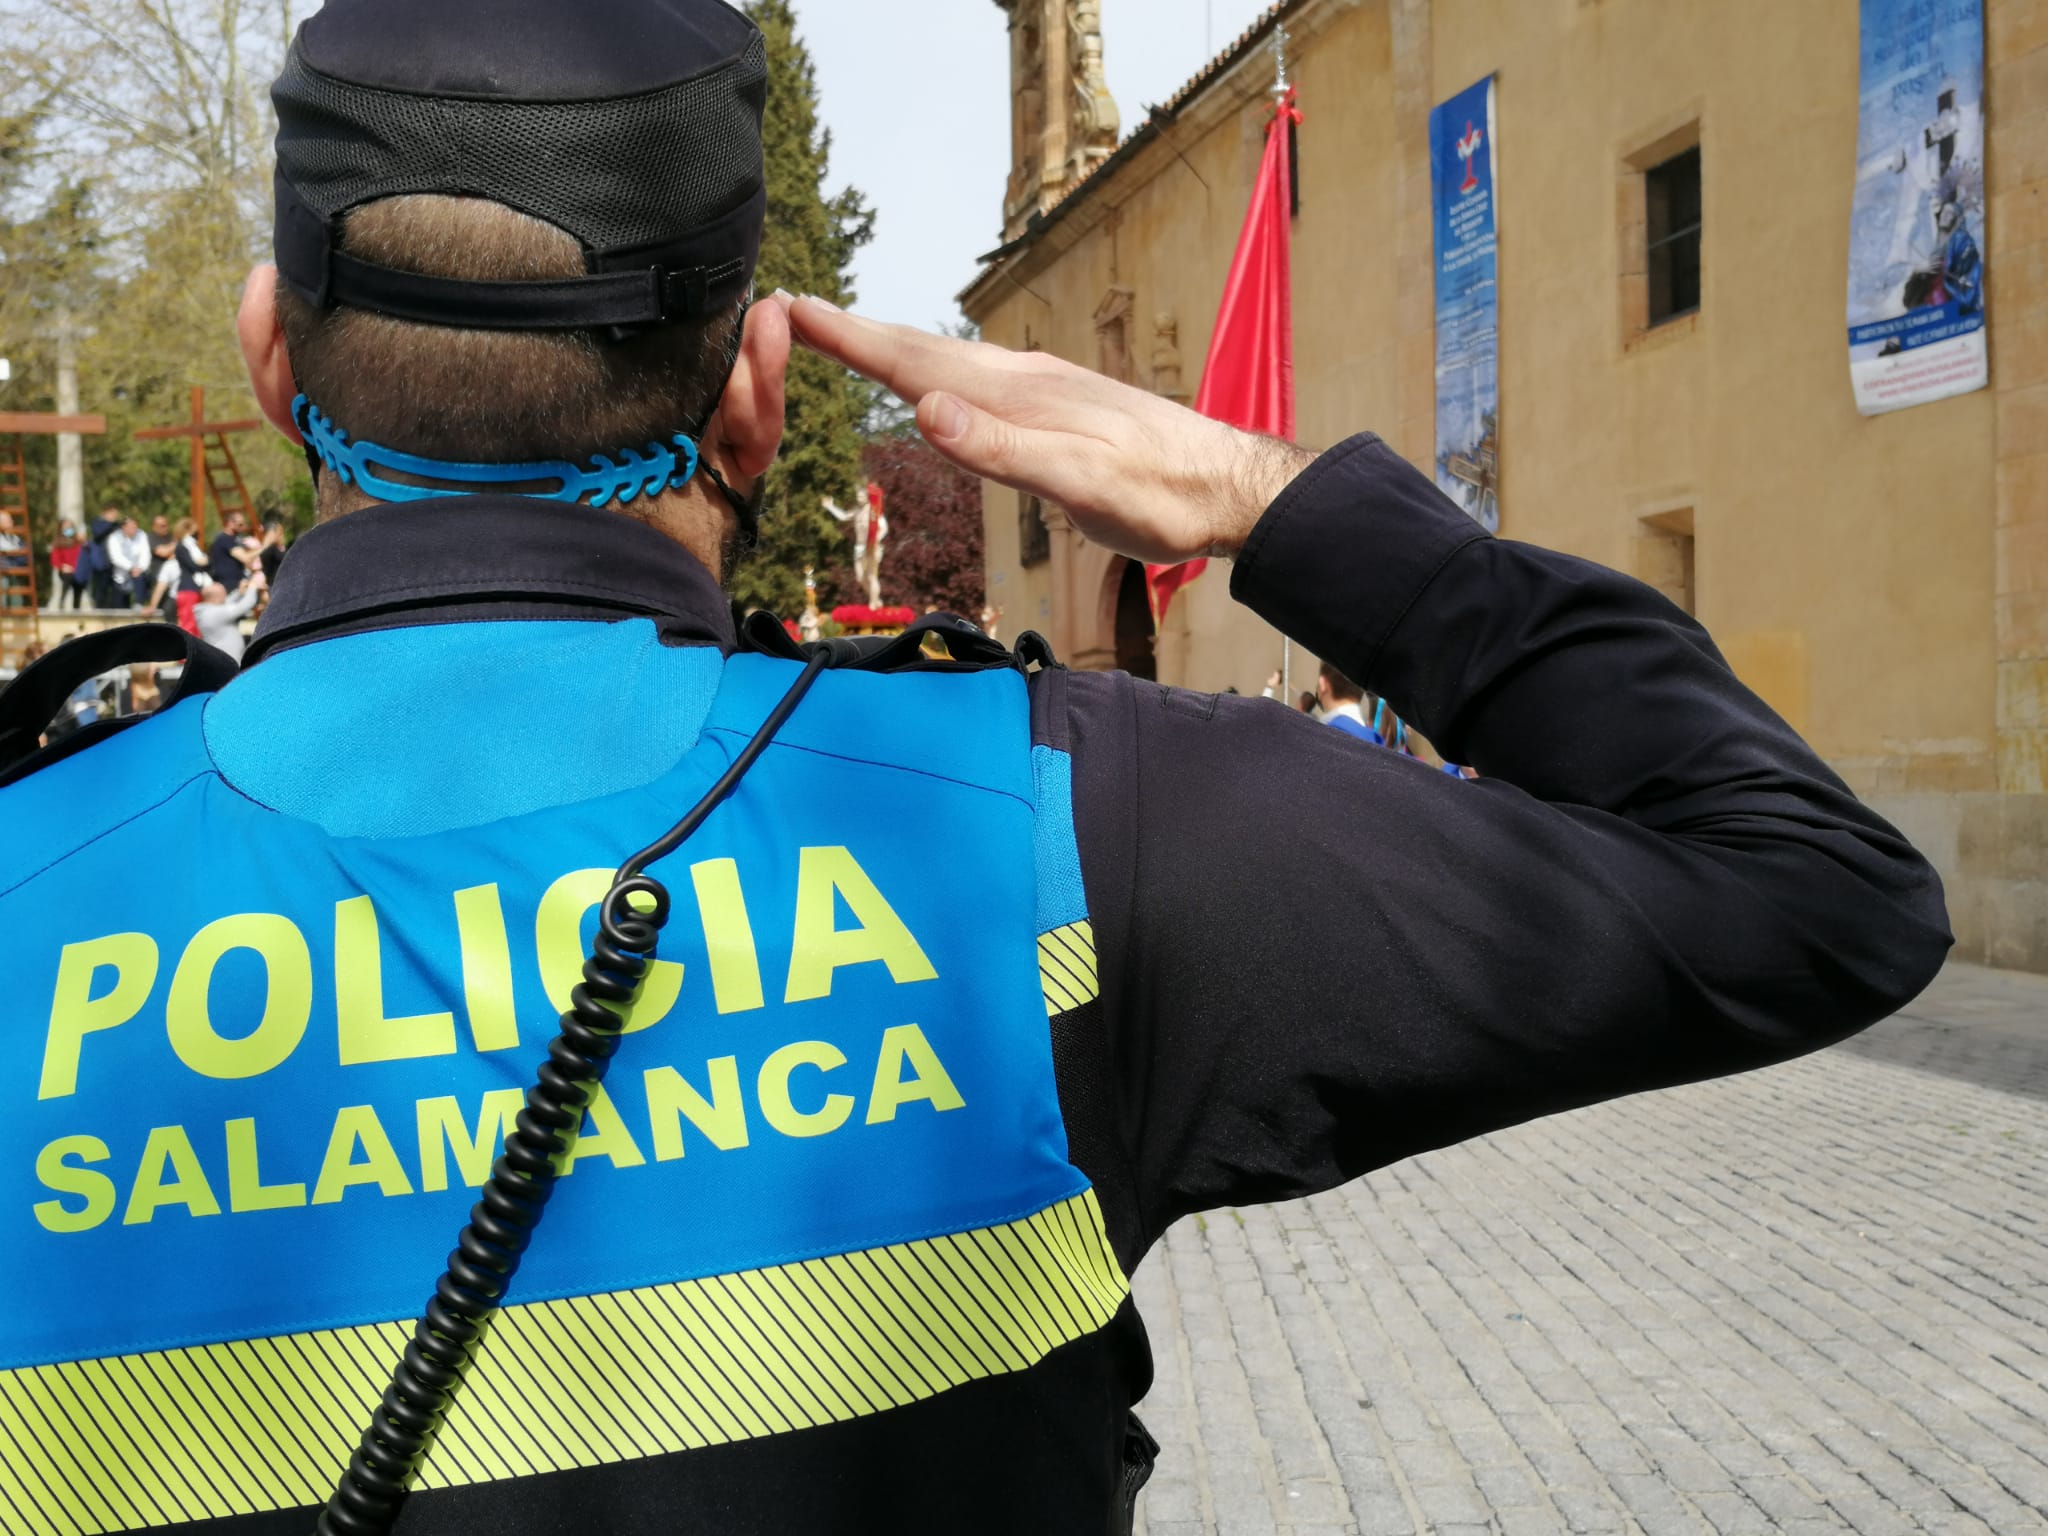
x=808 y=248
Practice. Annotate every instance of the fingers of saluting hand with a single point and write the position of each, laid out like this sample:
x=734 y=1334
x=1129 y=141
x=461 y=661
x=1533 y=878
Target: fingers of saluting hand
x=995 y=444
x=914 y=364
x=1135 y=472
x=1021 y=418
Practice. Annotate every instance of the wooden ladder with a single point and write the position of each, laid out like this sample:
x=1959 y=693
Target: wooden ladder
x=224 y=480
x=20 y=620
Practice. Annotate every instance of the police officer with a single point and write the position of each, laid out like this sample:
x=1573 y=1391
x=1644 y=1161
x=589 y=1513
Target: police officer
x=976 y=977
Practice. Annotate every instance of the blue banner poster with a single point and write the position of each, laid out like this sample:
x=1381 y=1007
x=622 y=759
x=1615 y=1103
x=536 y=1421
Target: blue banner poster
x=1461 y=167
x=1916 y=235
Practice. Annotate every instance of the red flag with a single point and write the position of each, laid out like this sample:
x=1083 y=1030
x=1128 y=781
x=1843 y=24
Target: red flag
x=1248 y=380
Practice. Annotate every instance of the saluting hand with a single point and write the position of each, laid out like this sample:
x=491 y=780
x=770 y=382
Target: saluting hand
x=1139 y=474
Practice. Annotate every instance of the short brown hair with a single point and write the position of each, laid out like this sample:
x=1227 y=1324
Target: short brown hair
x=1341 y=687
x=493 y=396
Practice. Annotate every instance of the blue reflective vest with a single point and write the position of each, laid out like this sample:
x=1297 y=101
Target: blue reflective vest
x=266 y=1064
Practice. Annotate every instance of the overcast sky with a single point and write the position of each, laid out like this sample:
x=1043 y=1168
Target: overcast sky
x=917 y=95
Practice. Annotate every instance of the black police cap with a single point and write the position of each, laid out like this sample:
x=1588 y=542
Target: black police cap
x=634 y=125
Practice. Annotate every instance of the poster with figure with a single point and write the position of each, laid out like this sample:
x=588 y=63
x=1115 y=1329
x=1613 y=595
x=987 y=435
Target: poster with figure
x=1461 y=163
x=1916 y=232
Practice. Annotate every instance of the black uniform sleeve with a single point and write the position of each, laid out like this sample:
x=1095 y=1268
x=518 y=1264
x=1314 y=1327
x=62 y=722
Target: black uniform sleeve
x=1319 y=957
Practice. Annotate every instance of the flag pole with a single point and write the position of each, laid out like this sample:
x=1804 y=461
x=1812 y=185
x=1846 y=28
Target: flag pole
x=1280 y=95
x=1248 y=377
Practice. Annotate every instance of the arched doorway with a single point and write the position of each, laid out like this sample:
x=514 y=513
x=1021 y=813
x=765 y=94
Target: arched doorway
x=1134 y=632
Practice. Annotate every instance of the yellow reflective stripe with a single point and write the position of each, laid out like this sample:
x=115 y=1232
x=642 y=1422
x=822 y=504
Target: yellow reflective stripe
x=1089 y=1256
x=770 y=1401
x=623 y=1387
x=1066 y=967
x=867 y=1315
x=27 y=1483
x=290 y=1421
x=780 y=1363
x=80 y=1478
x=554 y=1419
x=673 y=1393
x=171 y=1436
x=908 y=1269
x=665 y=1331
x=1002 y=1330
x=846 y=1397
x=929 y=1345
x=220 y=1418
x=196 y=1438
x=709 y=1410
x=152 y=1433
x=1016 y=1287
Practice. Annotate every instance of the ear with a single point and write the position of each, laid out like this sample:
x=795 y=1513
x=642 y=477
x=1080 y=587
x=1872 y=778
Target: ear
x=749 y=419
x=270 y=370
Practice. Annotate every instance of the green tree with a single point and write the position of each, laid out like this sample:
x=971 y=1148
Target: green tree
x=808 y=248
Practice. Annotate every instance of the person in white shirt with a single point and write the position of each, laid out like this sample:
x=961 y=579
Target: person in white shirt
x=219 y=616
x=128 y=551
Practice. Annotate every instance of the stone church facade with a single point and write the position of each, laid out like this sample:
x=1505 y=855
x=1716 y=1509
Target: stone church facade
x=1882 y=581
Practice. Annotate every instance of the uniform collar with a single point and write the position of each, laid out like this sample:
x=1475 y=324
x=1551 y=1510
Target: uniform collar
x=468 y=559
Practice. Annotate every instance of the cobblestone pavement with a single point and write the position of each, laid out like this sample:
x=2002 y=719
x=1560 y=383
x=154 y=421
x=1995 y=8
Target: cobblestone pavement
x=1810 y=1300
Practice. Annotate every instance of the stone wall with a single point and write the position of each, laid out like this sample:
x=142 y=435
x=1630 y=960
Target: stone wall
x=2016 y=277
x=1992 y=852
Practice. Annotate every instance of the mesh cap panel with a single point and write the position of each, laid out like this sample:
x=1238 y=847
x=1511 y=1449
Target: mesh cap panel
x=617 y=174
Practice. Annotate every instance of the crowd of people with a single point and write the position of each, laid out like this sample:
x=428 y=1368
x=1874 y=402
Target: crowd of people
x=114 y=564
x=165 y=572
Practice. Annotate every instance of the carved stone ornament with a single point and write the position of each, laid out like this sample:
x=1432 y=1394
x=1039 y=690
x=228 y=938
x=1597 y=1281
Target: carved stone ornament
x=1095 y=126
x=1114 y=345
x=1166 y=355
x=1063 y=121
x=1028 y=84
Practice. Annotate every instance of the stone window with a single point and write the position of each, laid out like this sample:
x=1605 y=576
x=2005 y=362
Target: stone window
x=1664 y=556
x=1659 y=228
x=1671 y=224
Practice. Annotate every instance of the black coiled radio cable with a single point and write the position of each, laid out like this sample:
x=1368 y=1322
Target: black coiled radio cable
x=487 y=1253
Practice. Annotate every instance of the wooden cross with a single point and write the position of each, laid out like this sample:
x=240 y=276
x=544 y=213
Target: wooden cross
x=214 y=468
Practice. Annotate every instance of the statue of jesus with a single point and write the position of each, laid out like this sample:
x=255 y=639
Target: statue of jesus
x=870 y=531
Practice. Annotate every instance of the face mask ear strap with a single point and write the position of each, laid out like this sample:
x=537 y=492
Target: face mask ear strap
x=315 y=431
x=746 y=509
x=314 y=463
x=621 y=476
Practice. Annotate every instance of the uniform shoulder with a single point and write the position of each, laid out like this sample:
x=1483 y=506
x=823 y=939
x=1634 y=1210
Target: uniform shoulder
x=970 y=727
x=59 y=809
x=1108 y=705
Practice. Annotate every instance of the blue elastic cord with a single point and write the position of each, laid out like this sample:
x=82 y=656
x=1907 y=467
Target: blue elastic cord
x=660 y=468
